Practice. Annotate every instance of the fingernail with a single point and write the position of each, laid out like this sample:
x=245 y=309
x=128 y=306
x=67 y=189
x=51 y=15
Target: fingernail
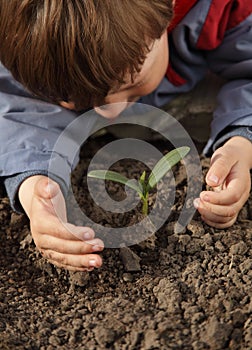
x=92 y=263
x=206 y=198
x=213 y=178
x=196 y=203
x=87 y=235
x=49 y=187
x=96 y=248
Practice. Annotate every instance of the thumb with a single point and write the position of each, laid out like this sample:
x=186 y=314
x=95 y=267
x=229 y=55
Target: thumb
x=48 y=192
x=46 y=188
x=220 y=168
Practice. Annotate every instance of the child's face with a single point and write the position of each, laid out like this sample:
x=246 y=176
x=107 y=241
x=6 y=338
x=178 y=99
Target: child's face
x=146 y=81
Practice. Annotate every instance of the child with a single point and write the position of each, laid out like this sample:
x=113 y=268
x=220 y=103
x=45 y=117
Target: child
x=78 y=54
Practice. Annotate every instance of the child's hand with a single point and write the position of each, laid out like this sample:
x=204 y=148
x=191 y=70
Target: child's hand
x=53 y=238
x=229 y=176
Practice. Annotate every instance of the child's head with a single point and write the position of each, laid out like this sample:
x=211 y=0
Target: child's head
x=79 y=50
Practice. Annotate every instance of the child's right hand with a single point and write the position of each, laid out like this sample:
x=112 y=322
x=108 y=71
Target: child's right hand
x=51 y=233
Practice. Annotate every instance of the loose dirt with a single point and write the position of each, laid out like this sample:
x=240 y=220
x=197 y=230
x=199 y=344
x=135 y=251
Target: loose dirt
x=189 y=290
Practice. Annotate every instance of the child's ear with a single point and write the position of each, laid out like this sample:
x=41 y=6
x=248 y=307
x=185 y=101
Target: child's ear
x=68 y=105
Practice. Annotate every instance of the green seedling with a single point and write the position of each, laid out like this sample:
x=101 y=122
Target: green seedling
x=144 y=185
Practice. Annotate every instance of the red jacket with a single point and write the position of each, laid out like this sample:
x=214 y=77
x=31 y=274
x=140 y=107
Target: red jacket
x=222 y=15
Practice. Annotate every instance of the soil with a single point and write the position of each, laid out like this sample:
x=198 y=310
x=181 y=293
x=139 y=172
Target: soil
x=187 y=290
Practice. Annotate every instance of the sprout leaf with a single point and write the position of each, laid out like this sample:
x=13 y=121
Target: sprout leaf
x=165 y=164
x=116 y=177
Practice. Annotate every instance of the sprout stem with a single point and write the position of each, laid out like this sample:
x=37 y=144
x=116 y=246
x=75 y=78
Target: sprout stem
x=145 y=205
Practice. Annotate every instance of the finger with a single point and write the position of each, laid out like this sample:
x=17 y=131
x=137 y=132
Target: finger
x=53 y=226
x=219 y=225
x=221 y=164
x=216 y=218
x=71 y=268
x=70 y=247
x=206 y=208
x=74 y=261
x=76 y=232
x=235 y=192
x=228 y=196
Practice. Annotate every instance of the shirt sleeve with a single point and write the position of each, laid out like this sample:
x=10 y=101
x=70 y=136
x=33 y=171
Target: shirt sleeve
x=13 y=182
x=231 y=131
x=29 y=130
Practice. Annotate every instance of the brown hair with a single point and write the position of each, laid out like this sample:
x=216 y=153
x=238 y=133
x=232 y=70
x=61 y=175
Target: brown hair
x=77 y=50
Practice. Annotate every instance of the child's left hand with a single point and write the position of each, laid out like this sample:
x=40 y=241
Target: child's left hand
x=229 y=176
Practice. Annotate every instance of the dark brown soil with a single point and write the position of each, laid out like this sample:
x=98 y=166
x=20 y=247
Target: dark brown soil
x=190 y=290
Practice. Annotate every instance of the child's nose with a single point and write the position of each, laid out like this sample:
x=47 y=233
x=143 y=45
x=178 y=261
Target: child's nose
x=111 y=111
